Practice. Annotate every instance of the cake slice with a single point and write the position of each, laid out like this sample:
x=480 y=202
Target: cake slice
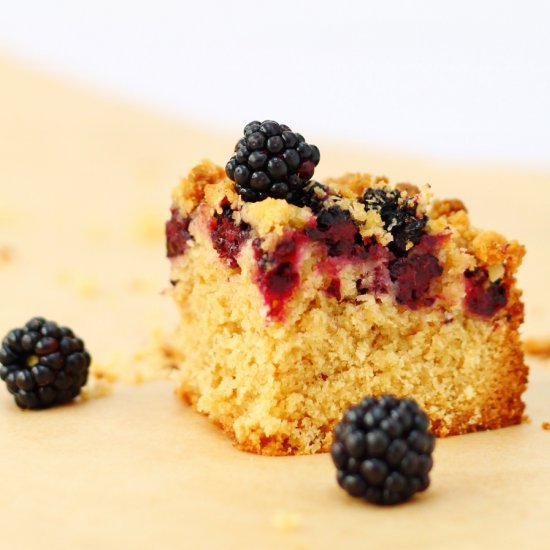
x=299 y=298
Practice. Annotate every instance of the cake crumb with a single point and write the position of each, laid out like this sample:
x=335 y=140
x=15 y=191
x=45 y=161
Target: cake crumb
x=545 y=425
x=96 y=388
x=83 y=285
x=284 y=521
x=6 y=254
x=140 y=286
x=86 y=288
x=104 y=371
x=100 y=382
x=148 y=226
x=157 y=360
x=537 y=347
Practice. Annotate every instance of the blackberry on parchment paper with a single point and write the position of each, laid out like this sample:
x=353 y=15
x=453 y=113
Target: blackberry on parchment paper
x=382 y=450
x=272 y=161
x=43 y=364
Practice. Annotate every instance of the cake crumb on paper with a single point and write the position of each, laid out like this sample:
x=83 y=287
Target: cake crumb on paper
x=157 y=360
x=95 y=388
x=104 y=371
x=83 y=285
x=87 y=288
x=284 y=521
x=545 y=425
x=140 y=285
x=148 y=226
x=537 y=347
x=6 y=254
x=100 y=382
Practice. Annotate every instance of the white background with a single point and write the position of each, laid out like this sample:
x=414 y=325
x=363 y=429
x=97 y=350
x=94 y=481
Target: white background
x=462 y=79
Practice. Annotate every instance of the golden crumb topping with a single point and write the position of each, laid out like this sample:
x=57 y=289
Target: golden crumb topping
x=274 y=216
x=191 y=190
x=207 y=184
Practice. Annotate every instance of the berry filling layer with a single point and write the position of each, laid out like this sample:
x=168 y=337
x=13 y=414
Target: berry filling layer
x=177 y=234
x=337 y=231
x=228 y=237
x=483 y=297
x=413 y=274
x=364 y=237
x=277 y=276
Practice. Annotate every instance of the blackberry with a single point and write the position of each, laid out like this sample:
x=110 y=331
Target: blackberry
x=177 y=234
x=399 y=215
x=312 y=195
x=336 y=228
x=413 y=276
x=483 y=297
x=271 y=161
x=43 y=364
x=227 y=236
x=382 y=450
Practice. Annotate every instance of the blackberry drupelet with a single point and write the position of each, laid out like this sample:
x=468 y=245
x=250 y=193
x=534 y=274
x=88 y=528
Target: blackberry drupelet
x=272 y=161
x=382 y=450
x=399 y=214
x=43 y=364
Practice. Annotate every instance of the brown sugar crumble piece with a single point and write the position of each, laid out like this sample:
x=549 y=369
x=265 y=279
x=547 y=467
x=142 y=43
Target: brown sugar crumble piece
x=545 y=425
x=537 y=347
x=297 y=298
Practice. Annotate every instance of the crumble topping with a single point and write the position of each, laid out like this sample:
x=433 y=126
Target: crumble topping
x=393 y=238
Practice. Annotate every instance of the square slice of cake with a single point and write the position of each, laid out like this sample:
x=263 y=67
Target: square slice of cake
x=298 y=298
